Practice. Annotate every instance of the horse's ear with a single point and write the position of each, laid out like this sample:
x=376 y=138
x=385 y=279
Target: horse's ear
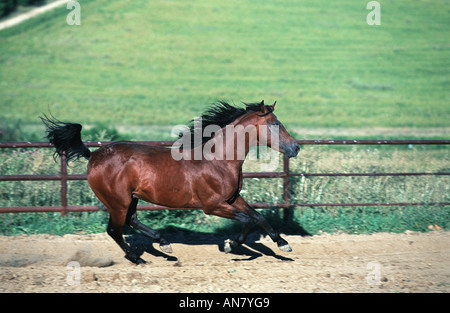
x=273 y=105
x=262 y=107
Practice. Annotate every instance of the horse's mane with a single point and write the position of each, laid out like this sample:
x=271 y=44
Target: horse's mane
x=220 y=114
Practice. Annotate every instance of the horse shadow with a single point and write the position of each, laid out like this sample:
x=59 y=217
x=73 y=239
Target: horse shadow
x=250 y=250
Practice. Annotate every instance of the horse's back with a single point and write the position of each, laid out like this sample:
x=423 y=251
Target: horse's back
x=145 y=171
x=122 y=151
x=124 y=161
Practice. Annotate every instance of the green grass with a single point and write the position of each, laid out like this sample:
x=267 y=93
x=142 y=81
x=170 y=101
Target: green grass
x=150 y=63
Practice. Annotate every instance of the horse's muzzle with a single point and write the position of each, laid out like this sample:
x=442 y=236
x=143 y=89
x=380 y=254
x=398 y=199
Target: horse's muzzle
x=291 y=149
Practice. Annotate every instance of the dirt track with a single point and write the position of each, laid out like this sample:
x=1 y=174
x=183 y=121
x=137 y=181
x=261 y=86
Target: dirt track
x=410 y=262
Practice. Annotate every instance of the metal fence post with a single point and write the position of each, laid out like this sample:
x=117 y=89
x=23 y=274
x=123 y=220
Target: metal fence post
x=63 y=185
x=287 y=211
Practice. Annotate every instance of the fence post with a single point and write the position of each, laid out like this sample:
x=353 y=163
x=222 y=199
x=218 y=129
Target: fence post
x=287 y=211
x=63 y=184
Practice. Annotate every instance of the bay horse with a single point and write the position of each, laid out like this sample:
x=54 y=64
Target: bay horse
x=206 y=175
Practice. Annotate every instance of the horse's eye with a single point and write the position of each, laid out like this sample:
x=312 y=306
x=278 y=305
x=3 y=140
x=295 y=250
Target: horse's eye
x=276 y=123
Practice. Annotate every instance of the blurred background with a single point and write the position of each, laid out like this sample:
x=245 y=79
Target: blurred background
x=137 y=66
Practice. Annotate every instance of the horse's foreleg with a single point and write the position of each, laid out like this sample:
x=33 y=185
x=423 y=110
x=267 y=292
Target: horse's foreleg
x=228 y=211
x=282 y=244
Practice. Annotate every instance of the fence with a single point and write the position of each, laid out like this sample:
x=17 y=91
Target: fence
x=63 y=177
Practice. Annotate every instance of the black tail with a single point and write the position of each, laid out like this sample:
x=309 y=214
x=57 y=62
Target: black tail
x=66 y=137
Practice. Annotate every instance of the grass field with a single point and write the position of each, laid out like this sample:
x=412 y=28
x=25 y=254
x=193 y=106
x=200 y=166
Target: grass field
x=150 y=63
x=139 y=67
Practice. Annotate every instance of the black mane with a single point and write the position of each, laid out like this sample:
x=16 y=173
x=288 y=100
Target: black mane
x=220 y=114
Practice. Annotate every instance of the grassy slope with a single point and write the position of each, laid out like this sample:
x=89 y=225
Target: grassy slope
x=162 y=62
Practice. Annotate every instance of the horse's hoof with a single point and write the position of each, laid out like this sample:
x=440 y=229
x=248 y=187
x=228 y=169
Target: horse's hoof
x=229 y=245
x=286 y=248
x=140 y=261
x=166 y=248
x=135 y=259
x=283 y=245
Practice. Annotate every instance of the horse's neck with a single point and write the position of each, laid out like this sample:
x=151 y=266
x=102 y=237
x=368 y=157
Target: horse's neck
x=231 y=143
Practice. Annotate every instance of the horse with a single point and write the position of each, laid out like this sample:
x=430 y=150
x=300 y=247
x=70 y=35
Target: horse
x=203 y=170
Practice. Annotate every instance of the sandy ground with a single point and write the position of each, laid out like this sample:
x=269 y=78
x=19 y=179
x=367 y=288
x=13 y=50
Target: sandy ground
x=409 y=262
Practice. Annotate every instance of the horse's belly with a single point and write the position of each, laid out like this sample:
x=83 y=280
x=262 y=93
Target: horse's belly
x=173 y=192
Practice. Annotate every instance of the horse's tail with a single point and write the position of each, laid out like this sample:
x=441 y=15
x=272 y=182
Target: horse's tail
x=66 y=137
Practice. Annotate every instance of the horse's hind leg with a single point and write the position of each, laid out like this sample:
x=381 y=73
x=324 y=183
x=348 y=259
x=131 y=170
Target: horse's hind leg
x=117 y=217
x=114 y=229
x=231 y=244
x=133 y=221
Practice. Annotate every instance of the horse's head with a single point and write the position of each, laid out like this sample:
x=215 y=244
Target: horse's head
x=273 y=134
